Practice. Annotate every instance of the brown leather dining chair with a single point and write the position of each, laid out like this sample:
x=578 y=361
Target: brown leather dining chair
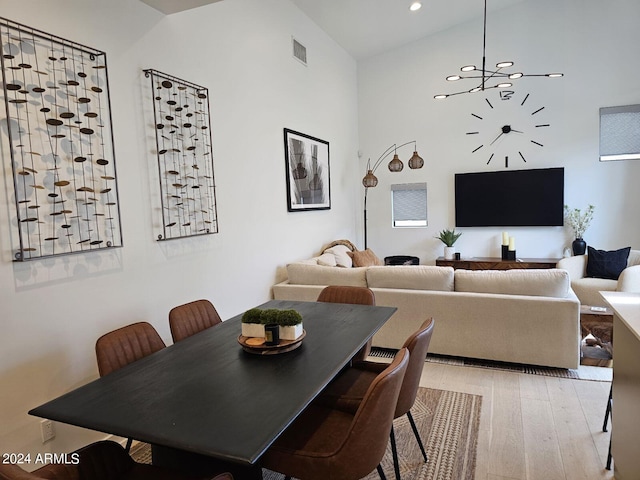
x=352 y=295
x=191 y=318
x=125 y=345
x=324 y=443
x=347 y=391
x=105 y=460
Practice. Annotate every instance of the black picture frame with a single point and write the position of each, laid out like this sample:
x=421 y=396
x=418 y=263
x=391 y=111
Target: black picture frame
x=307 y=172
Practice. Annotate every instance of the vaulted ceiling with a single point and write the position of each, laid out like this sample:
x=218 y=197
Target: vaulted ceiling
x=368 y=27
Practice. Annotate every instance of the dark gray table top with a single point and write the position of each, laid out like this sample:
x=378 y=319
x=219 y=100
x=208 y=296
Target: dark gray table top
x=208 y=396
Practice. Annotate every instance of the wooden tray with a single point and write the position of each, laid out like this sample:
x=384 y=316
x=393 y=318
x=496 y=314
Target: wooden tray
x=282 y=347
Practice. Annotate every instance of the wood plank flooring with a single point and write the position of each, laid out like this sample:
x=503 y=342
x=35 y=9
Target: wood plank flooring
x=532 y=427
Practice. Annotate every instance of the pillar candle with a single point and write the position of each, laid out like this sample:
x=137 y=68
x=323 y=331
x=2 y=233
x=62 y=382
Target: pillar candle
x=512 y=243
x=505 y=238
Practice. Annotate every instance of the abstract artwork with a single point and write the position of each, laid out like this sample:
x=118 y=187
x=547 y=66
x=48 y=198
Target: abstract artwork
x=58 y=130
x=307 y=167
x=185 y=157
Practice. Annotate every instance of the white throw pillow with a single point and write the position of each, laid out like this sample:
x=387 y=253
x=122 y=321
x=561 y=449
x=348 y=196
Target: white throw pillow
x=340 y=252
x=327 y=260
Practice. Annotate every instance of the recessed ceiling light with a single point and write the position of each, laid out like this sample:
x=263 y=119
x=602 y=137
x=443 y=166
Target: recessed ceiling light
x=415 y=6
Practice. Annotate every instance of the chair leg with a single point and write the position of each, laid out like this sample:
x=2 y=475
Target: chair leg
x=609 y=456
x=608 y=411
x=415 y=432
x=394 y=453
x=381 y=472
x=128 y=446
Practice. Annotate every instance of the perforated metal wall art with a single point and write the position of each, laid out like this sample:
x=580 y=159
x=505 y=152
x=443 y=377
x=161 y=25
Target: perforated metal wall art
x=58 y=128
x=185 y=157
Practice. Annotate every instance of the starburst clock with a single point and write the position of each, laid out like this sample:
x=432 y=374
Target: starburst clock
x=508 y=127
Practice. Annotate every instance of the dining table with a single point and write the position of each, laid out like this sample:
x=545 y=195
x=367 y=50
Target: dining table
x=206 y=403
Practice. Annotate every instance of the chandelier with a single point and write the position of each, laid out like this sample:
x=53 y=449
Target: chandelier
x=498 y=78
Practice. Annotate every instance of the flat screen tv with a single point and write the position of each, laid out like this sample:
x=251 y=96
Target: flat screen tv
x=511 y=198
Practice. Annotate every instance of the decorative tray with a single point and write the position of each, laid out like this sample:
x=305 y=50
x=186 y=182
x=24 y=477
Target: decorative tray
x=282 y=347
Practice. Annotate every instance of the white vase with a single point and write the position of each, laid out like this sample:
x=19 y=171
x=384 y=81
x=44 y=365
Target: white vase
x=449 y=253
x=253 y=330
x=291 y=332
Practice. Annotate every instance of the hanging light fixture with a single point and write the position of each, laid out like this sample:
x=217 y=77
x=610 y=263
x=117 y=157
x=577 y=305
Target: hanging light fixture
x=395 y=165
x=502 y=77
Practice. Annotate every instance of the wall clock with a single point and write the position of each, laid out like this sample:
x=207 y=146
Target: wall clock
x=508 y=127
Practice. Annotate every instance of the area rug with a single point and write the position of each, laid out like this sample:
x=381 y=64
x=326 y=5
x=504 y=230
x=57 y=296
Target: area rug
x=448 y=423
x=583 y=372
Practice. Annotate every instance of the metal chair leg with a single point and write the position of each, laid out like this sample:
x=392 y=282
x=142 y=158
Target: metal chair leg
x=394 y=452
x=381 y=472
x=128 y=446
x=609 y=456
x=415 y=432
x=608 y=411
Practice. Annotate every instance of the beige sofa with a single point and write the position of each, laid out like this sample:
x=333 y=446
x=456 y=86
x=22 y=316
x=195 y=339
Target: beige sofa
x=519 y=316
x=587 y=288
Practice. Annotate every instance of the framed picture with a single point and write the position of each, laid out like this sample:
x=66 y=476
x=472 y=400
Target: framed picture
x=307 y=168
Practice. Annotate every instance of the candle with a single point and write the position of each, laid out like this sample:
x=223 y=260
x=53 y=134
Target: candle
x=512 y=243
x=505 y=238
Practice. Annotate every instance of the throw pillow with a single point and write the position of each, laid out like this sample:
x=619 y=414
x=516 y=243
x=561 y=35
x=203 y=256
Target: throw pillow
x=606 y=264
x=340 y=252
x=327 y=260
x=364 y=258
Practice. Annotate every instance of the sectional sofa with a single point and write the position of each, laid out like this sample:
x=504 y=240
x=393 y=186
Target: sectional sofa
x=518 y=316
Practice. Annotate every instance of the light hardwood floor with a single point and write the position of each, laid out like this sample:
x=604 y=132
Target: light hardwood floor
x=532 y=427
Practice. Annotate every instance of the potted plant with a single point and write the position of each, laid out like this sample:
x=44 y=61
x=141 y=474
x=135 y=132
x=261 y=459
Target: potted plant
x=579 y=222
x=252 y=325
x=289 y=322
x=448 y=237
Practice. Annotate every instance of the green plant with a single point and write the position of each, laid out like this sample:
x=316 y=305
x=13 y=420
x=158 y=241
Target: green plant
x=448 y=237
x=577 y=220
x=252 y=316
x=284 y=318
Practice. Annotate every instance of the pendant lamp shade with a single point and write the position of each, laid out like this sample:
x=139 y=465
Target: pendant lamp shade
x=416 y=161
x=396 y=165
x=370 y=180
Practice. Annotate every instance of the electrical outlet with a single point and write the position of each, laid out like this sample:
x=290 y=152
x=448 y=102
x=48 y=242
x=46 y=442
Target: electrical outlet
x=47 y=430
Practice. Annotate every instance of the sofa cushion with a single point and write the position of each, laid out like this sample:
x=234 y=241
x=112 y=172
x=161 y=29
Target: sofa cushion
x=543 y=283
x=411 y=277
x=364 y=258
x=304 y=274
x=588 y=289
x=607 y=264
x=340 y=252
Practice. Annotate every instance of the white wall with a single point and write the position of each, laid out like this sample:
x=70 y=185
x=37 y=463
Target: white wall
x=53 y=310
x=592 y=42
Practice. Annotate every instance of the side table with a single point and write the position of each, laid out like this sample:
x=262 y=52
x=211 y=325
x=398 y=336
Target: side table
x=598 y=323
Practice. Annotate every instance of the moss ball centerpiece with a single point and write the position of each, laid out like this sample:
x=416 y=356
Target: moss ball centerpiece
x=288 y=321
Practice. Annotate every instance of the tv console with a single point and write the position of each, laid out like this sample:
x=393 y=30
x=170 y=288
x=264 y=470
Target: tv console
x=495 y=263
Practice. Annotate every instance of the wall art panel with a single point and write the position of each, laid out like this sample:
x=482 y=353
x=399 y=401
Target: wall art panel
x=185 y=156
x=58 y=129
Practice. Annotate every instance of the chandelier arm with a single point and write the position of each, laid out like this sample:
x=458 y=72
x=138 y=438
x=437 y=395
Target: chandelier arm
x=484 y=44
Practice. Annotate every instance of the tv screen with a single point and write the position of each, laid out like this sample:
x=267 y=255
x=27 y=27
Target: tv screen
x=515 y=198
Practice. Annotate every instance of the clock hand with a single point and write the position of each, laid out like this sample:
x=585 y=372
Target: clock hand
x=496 y=139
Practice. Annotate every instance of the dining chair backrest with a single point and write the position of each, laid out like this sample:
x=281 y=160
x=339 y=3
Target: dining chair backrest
x=50 y=472
x=125 y=345
x=347 y=294
x=369 y=432
x=352 y=295
x=418 y=345
x=191 y=318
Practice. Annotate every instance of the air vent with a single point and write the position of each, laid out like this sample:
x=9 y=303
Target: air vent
x=299 y=51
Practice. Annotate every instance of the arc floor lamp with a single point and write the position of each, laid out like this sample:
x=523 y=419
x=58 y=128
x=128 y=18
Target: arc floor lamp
x=395 y=165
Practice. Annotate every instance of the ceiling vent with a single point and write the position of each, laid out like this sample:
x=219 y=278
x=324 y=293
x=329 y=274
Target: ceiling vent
x=299 y=51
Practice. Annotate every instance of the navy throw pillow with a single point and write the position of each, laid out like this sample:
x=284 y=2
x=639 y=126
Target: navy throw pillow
x=604 y=264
